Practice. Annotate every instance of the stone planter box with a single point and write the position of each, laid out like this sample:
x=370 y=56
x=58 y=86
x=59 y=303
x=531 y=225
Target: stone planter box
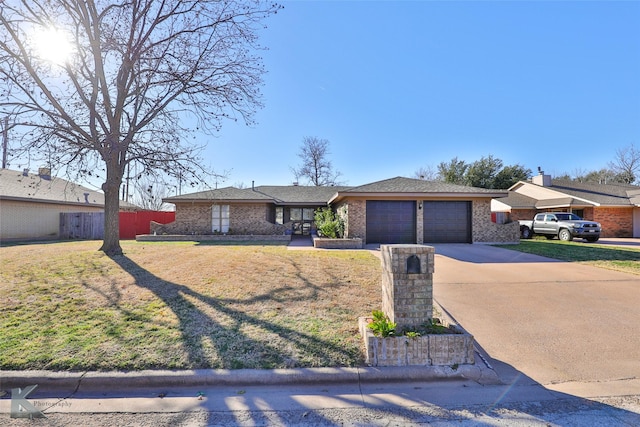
x=426 y=350
x=326 y=243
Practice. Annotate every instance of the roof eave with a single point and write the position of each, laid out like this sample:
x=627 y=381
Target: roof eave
x=242 y=201
x=49 y=201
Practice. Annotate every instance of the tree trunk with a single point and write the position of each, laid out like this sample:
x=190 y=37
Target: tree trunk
x=111 y=188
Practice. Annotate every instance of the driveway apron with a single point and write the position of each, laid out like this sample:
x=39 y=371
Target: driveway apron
x=555 y=322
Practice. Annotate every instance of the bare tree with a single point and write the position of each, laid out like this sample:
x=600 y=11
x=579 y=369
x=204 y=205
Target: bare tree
x=316 y=167
x=626 y=164
x=148 y=193
x=140 y=75
x=427 y=173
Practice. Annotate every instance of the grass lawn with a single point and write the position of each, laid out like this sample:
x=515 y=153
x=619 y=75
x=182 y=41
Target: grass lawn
x=182 y=305
x=620 y=258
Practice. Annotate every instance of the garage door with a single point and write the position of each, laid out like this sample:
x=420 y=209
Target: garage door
x=391 y=221
x=447 y=222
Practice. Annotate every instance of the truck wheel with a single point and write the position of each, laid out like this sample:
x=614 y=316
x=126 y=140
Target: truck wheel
x=525 y=233
x=565 y=235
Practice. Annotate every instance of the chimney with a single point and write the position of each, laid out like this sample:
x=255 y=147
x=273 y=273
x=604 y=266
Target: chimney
x=25 y=172
x=86 y=198
x=44 y=173
x=295 y=184
x=253 y=185
x=541 y=179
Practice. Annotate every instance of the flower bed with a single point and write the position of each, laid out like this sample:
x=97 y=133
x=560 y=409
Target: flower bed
x=425 y=350
x=327 y=243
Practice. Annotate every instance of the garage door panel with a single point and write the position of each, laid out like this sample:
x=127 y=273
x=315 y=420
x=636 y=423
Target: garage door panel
x=391 y=221
x=447 y=222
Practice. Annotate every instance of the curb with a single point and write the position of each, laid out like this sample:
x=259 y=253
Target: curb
x=87 y=381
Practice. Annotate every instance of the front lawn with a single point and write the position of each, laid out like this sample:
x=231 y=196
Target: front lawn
x=620 y=258
x=66 y=306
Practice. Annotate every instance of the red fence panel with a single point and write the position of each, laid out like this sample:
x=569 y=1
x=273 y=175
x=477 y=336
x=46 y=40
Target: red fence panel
x=134 y=223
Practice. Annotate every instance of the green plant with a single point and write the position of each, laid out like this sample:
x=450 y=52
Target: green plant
x=381 y=325
x=412 y=334
x=328 y=224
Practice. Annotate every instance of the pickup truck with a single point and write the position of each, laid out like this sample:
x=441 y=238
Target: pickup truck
x=564 y=225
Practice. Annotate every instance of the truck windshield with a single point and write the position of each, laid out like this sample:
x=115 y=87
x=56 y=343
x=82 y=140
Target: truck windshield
x=568 y=217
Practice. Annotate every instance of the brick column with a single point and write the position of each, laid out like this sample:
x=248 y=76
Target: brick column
x=407 y=291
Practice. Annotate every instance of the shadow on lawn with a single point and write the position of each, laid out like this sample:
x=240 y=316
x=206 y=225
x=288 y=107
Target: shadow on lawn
x=205 y=338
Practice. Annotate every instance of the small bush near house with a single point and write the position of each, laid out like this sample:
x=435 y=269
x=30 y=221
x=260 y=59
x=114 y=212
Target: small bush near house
x=328 y=224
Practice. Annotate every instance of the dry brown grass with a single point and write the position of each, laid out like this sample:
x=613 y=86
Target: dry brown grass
x=182 y=305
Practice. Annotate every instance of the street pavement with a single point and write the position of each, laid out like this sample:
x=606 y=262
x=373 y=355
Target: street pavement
x=557 y=345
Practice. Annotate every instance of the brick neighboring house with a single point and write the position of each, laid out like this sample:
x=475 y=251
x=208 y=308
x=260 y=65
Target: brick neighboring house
x=397 y=210
x=615 y=206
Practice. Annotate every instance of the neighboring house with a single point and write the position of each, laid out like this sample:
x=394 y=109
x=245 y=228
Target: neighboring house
x=397 y=210
x=615 y=206
x=31 y=204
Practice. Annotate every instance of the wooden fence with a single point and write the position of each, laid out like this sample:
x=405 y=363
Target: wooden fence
x=81 y=225
x=90 y=225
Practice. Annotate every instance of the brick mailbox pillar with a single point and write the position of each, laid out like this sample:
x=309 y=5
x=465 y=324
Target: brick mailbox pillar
x=407 y=284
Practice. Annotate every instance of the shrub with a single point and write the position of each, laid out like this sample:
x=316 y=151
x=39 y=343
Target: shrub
x=381 y=325
x=328 y=224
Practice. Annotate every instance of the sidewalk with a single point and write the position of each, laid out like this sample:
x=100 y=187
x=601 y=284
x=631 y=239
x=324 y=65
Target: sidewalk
x=353 y=403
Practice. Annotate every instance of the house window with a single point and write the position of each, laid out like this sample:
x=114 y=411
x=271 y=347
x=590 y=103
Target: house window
x=220 y=218
x=279 y=215
x=302 y=214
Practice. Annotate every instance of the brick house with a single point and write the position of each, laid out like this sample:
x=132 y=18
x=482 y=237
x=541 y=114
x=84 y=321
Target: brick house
x=396 y=210
x=615 y=206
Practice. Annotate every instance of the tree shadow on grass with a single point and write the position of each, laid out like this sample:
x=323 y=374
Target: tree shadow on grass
x=216 y=335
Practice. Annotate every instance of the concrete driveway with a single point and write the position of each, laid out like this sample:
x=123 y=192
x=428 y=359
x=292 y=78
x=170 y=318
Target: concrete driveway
x=570 y=327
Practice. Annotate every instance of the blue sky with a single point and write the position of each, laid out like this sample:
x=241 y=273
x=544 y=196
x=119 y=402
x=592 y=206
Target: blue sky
x=399 y=85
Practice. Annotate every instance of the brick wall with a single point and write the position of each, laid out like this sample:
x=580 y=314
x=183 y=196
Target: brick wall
x=252 y=219
x=354 y=214
x=195 y=218
x=616 y=222
x=485 y=231
x=407 y=298
x=522 y=214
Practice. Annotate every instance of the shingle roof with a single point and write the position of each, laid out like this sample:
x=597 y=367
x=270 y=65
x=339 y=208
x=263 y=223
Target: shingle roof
x=300 y=194
x=15 y=185
x=320 y=195
x=602 y=194
x=518 y=201
x=577 y=194
x=226 y=193
x=287 y=194
x=410 y=185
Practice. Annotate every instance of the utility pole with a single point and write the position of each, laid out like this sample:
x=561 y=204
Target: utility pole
x=5 y=141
